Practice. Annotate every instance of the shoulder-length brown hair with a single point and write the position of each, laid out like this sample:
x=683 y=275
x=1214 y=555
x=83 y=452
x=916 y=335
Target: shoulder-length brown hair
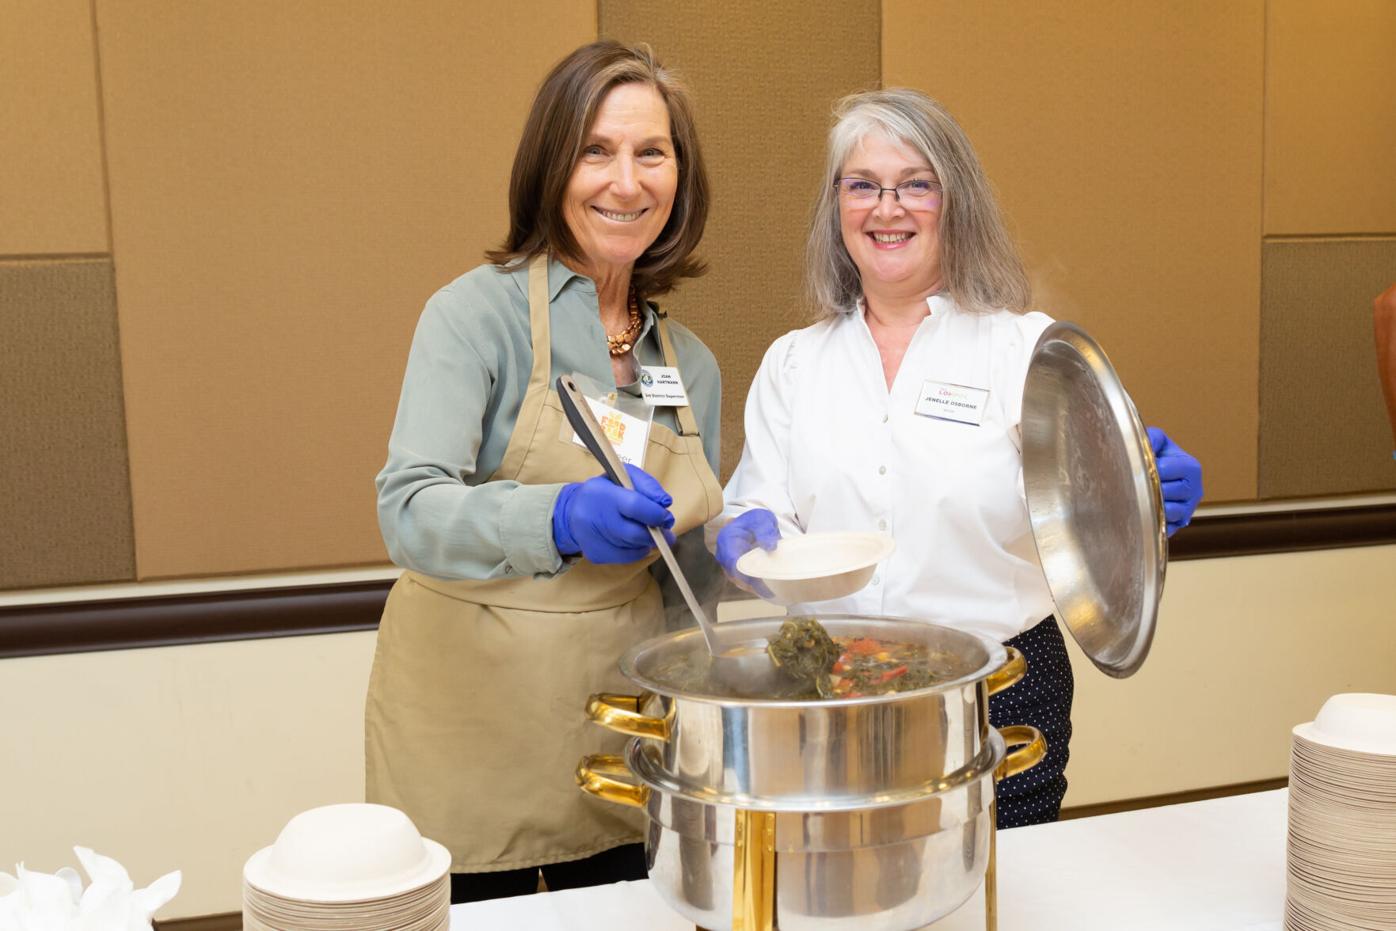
x=562 y=115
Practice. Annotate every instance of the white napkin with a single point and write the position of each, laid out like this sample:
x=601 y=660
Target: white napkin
x=31 y=901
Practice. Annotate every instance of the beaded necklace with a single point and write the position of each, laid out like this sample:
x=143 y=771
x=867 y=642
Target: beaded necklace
x=624 y=341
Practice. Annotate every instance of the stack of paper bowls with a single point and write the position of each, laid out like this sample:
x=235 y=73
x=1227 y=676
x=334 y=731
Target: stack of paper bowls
x=341 y=867
x=1342 y=817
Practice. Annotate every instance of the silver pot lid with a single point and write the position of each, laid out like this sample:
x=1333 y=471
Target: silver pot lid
x=1093 y=499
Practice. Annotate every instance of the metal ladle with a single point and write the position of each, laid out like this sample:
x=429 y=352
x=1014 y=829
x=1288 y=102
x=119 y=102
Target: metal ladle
x=742 y=667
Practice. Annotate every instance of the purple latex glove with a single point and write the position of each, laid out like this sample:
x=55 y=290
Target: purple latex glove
x=610 y=524
x=1181 y=476
x=742 y=534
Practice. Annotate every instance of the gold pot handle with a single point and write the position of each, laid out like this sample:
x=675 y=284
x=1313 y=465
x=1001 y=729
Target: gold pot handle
x=621 y=713
x=1033 y=747
x=596 y=775
x=1008 y=674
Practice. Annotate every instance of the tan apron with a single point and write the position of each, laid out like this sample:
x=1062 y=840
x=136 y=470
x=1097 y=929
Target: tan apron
x=474 y=721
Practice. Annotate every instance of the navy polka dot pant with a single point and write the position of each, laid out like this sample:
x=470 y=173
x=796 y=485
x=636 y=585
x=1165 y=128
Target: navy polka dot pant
x=1043 y=699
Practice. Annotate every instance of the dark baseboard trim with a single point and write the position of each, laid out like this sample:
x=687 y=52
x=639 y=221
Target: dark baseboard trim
x=124 y=624
x=228 y=921
x=1285 y=532
x=1171 y=798
x=133 y=623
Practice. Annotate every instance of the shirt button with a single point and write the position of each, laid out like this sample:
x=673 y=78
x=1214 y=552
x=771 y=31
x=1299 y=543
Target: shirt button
x=877 y=579
x=881 y=470
x=882 y=525
x=884 y=418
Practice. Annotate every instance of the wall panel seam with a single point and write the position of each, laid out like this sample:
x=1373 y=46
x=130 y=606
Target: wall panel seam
x=1258 y=387
x=115 y=296
x=881 y=59
x=1264 y=145
x=53 y=257
x=1329 y=237
x=101 y=123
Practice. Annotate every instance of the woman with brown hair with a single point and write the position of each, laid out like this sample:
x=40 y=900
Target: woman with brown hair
x=527 y=572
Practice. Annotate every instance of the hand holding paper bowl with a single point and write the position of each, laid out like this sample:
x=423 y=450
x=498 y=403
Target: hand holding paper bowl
x=798 y=569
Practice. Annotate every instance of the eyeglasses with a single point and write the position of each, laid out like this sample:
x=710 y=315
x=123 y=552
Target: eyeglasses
x=916 y=194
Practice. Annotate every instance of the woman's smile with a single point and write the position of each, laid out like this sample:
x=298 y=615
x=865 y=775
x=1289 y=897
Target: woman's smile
x=890 y=239
x=618 y=216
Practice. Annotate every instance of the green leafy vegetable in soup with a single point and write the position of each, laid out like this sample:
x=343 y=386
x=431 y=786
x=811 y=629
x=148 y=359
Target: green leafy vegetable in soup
x=803 y=649
x=847 y=667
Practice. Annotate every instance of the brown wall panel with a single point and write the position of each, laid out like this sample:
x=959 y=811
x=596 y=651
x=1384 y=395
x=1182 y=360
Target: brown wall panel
x=65 y=505
x=1125 y=142
x=1323 y=426
x=764 y=77
x=52 y=198
x=1330 y=117
x=289 y=184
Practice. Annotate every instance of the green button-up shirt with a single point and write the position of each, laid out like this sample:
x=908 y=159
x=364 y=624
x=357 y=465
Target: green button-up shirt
x=466 y=377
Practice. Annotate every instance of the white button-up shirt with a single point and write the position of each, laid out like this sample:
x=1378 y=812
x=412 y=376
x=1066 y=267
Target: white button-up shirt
x=830 y=448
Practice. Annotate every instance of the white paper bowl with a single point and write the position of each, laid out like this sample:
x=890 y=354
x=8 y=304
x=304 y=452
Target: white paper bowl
x=1360 y=721
x=342 y=853
x=817 y=566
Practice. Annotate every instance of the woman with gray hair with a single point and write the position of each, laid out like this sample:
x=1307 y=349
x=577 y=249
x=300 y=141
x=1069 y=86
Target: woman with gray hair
x=922 y=297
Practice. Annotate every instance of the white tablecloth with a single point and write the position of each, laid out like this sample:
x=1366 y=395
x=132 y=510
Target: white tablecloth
x=1217 y=865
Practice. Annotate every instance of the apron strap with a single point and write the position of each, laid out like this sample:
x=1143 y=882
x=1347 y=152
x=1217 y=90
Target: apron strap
x=688 y=426
x=539 y=322
x=531 y=410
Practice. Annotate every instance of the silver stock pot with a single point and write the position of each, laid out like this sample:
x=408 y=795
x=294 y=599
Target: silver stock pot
x=872 y=813
x=817 y=755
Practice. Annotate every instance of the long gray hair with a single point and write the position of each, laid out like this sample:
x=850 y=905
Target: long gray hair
x=979 y=262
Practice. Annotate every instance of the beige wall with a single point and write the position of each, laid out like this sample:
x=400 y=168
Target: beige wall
x=1316 y=318
x=52 y=198
x=67 y=508
x=1124 y=140
x=289 y=184
x=1330 y=224
x=1245 y=649
x=65 y=505
x=1330 y=96
x=194 y=757
x=186 y=758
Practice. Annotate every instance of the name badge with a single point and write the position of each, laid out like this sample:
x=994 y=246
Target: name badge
x=959 y=403
x=629 y=435
x=662 y=387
